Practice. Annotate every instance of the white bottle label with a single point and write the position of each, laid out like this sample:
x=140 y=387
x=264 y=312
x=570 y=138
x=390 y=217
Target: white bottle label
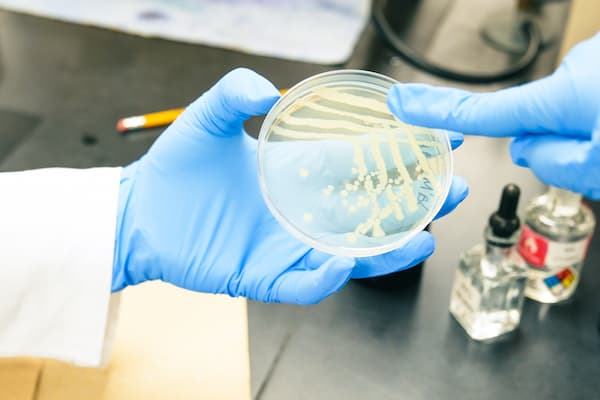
x=463 y=291
x=557 y=264
x=561 y=254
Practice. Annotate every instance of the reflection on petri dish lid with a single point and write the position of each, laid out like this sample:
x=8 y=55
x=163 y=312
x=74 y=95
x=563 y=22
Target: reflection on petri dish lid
x=344 y=175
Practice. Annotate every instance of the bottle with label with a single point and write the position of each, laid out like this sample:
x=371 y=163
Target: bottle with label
x=489 y=284
x=554 y=242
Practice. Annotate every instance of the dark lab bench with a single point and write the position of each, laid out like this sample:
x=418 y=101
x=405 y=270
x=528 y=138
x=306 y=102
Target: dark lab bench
x=63 y=86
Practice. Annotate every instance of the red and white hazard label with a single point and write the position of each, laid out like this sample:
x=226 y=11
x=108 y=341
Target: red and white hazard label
x=540 y=252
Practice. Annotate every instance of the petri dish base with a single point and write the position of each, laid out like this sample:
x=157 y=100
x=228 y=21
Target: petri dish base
x=344 y=175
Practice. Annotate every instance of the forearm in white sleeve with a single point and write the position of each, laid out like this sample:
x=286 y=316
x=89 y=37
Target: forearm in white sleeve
x=57 y=236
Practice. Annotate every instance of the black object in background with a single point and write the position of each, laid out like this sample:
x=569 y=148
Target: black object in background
x=402 y=279
x=397 y=280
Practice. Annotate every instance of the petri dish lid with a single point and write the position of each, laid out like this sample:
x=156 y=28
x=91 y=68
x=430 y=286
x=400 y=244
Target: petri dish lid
x=344 y=175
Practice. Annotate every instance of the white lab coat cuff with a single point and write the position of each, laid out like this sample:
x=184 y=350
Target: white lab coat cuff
x=57 y=236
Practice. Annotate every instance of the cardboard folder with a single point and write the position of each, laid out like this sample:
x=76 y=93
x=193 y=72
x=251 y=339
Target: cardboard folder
x=169 y=343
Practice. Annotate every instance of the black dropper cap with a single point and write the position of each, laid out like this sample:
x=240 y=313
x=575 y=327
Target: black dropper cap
x=505 y=222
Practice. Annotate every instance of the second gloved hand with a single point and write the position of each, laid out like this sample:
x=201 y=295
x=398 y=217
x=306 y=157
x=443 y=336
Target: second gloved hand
x=556 y=120
x=191 y=212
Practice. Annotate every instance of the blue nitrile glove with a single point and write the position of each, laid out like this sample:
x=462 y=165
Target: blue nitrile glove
x=556 y=119
x=191 y=212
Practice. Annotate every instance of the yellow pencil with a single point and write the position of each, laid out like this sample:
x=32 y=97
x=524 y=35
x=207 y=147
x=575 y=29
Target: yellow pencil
x=152 y=120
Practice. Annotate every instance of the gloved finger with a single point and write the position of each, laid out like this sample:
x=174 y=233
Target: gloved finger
x=507 y=112
x=557 y=161
x=222 y=110
x=459 y=190
x=415 y=251
x=300 y=286
x=456 y=139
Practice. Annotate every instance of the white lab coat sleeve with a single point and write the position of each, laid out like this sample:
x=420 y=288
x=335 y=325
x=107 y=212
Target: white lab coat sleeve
x=57 y=237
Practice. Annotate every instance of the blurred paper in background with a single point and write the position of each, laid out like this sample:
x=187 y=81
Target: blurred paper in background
x=318 y=31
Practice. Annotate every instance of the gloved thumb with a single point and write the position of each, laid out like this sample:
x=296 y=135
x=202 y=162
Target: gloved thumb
x=509 y=112
x=222 y=110
x=313 y=285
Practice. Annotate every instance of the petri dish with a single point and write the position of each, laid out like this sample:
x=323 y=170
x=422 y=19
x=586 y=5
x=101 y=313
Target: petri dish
x=343 y=174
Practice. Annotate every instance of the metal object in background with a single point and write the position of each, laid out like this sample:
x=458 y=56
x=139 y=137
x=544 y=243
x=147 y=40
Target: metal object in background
x=503 y=29
x=529 y=27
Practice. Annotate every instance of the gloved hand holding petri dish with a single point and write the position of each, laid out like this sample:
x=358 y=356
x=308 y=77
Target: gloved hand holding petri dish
x=343 y=174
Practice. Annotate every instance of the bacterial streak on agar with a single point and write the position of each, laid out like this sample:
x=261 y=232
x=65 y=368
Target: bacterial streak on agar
x=369 y=178
x=373 y=223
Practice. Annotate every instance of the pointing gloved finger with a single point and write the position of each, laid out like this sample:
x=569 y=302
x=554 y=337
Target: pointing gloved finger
x=222 y=110
x=415 y=251
x=310 y=286
x=459 y=190
x=507 y=112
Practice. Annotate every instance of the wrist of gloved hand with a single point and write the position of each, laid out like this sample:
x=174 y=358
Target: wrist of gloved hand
x=125 y=235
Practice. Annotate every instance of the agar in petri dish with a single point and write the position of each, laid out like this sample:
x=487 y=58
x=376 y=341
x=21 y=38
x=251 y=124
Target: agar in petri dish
x=343 y=174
